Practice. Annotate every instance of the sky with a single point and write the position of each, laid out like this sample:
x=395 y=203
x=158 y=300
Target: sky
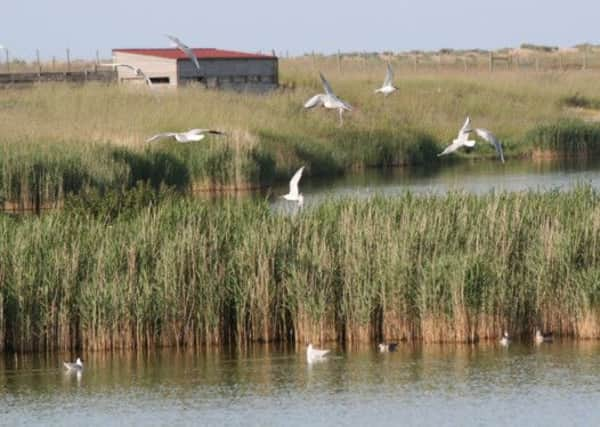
x=295 y=27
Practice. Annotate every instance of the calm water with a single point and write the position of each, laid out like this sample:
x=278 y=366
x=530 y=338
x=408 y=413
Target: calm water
x=475 y=177
x=551 y=384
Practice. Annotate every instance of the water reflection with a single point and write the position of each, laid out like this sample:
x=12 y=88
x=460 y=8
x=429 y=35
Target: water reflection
x=421 y=384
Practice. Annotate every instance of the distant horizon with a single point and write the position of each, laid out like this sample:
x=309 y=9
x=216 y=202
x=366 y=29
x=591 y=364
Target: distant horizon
x=283 y=54
x=322 y=27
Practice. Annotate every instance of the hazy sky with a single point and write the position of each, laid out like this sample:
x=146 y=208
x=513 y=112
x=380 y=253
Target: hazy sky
x=298 y=26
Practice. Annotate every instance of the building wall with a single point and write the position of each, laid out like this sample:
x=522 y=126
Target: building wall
x=152 y=66
x=251 y=74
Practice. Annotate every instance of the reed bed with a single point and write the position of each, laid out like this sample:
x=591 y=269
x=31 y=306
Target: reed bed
x=567 y=138
x=184 y=272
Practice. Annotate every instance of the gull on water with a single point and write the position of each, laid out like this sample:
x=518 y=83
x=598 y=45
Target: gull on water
x=74 y=366
x=388 y=86
x=315 y=354
x=461 y=140
x=491 y=138
x=388 y=347
x=138 y=71
x=505 y=340
x=328 y=100
x=185 y=49
x=192 y=135
x=542 y=337
x=294 y=195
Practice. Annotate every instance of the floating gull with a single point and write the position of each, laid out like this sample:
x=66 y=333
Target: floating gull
x=540 y=337
x=138 y=71
x=192 y=135
x=328 y=100
x=294 y=195
x=505 y=340
x=185 y=49
x=389 y=347
x=461 y=140
x=388 y=86
x=74 y=366
x=314 y=354
x=491 y=138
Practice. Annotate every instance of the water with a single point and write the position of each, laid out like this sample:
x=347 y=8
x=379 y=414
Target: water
x=550 y=384
x=475 y=177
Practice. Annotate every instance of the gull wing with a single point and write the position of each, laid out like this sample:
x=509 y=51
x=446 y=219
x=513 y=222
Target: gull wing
x=326 y=85
x=198 y=131
x=185 y=49
x=294 y=191
x=451 y=148
x=314 y=101
x=176 y=41
x=159 y=136
x=466 y=128
x=389 y=77
x=491 y=138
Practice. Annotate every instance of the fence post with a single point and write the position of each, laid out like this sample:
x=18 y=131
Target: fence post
x=39 y=63
x=54 y=63
x=339 y=61
x=416 y=62
x=560 y=62
x=585 y=58
x=7 y=61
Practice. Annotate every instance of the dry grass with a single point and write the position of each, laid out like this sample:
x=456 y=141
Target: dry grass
x=268 y=135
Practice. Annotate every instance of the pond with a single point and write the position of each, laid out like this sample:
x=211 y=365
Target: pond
x=549 y=384
x=470 y=176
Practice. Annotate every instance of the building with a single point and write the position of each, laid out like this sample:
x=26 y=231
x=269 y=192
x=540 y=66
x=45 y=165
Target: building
x=218 y=68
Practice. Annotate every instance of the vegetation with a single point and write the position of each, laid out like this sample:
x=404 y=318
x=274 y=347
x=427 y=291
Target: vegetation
x=184 y=272
x=567 y=138
x=58 y=140
x=580 y=101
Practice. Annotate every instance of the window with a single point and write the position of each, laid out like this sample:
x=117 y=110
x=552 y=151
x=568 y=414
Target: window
x=160 y=80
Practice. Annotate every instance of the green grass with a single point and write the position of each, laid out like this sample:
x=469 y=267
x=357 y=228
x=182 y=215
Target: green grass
x=59 y=139
x=569 y=137
x=184 y=272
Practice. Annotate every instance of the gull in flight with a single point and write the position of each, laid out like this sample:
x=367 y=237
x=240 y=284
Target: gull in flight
x=74 y=366
x=491 y=138
x=185 y=49
x=314 y=354
x=294 y=195
x=138 y=71
x=461 y=140
x=328 y=100
x=192 y=135
x=388 y=86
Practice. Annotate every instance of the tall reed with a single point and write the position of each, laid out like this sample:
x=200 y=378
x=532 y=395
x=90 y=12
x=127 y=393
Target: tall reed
x=187 y=272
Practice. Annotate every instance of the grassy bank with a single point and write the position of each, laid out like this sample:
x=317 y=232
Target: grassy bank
x=187 y=272
x=57 y=139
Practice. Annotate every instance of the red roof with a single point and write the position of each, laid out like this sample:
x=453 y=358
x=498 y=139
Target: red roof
x=201 y=53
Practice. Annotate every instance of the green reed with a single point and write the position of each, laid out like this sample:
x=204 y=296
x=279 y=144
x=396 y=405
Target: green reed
x=187 y=272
